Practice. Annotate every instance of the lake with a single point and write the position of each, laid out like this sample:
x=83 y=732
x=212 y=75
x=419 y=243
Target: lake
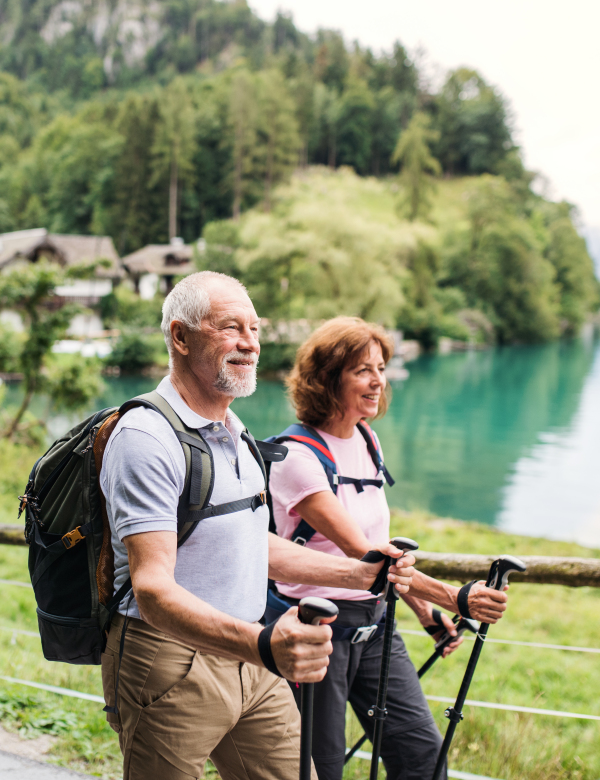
x=508 y=437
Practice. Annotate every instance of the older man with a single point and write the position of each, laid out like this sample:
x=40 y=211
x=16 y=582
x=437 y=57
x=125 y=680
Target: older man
x=192 y=681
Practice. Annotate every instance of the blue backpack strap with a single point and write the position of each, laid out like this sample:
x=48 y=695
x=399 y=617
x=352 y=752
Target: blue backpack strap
x=374 y=451
x=307 y=435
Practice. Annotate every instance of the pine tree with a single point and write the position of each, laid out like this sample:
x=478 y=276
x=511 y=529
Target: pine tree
x=413 y=153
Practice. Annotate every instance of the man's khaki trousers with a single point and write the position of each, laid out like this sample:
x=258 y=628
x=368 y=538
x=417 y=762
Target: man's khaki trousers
x=178 y=707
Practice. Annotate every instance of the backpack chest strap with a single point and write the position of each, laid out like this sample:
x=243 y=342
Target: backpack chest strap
x=359 y=484
x=252 y=502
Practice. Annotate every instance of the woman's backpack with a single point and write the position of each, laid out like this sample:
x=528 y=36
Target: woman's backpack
x=307 y=435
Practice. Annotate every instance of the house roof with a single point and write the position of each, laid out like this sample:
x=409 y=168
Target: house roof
x=162 y=259
x=65 y=249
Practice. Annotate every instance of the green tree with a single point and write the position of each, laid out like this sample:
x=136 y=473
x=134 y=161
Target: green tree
x=243 y=121
x=222 y=239
x=471 y=118
x=278 y=131
x=391 y=111
x=574 y=269
x=354 y=122
x=174 y=143
x=138 y=214
x=499 y=265
x=413 y=153
x=29 y=290
x=66 y=178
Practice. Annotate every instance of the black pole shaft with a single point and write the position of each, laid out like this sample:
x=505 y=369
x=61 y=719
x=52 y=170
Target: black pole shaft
x=455 y=713
x=429 y=662
x=379 y=711
x=307 y=691
x=356 y=747
x=425 y=668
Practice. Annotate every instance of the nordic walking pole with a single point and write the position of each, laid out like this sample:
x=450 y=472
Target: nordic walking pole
x=378 y=711
x=497 y=579
x=462 y=625
x=311 y=611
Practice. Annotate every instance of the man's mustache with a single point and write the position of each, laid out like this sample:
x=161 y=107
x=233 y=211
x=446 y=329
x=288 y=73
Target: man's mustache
x=241 y=357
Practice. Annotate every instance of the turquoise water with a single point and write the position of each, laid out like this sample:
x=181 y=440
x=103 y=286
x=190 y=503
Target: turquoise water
x=509 y=437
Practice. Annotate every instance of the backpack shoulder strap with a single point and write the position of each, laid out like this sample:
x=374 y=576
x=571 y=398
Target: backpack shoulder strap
x=199 y=467
x=375 y=451
x=307 y=435
x=265 y=452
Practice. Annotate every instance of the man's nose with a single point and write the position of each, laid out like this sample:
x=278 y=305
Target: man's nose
x=248 y=340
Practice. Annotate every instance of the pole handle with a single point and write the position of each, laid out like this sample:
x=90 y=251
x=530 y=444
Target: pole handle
x=462 y=626
x=501 y=569
x=405 y=544
x=313 y=609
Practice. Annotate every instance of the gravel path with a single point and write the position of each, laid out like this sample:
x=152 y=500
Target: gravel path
x=14 y=767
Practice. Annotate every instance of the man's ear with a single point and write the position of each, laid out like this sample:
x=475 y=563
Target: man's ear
x=180 y=337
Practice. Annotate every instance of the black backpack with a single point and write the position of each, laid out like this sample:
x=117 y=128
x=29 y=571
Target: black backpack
x=71 y=561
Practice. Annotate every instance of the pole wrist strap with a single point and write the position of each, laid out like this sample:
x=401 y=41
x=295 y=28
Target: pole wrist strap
x=264 y=649
x=374 y=556
x=436 y=615
x=463 y=599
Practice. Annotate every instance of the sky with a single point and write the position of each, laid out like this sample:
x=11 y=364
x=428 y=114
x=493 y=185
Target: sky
x=543 y=55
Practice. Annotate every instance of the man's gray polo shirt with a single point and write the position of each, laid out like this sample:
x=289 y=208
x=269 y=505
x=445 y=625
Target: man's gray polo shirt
x=225 y=560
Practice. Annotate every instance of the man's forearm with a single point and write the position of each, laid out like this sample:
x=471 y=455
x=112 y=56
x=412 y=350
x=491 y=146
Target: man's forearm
x=435 y=591
x=174 y=610
x=289 y=562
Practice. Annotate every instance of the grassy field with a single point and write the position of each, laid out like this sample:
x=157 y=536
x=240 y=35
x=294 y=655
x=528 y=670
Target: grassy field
x=509 y=746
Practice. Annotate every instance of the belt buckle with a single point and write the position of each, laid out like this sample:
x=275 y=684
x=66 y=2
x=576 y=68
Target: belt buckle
x=363 y=634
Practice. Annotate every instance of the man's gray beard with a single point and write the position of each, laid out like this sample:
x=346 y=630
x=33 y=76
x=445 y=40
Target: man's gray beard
x=230 y=383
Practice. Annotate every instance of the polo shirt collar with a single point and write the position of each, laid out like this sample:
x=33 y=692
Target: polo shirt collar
x=191 y=418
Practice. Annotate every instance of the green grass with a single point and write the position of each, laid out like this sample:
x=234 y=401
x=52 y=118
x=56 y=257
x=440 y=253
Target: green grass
x=510 y=746
x=16 y=461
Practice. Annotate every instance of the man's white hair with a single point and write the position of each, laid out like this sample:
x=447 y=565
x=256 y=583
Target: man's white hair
x=189 y=302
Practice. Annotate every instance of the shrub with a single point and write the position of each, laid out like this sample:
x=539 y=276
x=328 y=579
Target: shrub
x=132 y=352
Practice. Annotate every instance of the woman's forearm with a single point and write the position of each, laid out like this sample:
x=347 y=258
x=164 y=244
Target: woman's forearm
x=323 y=512
x=435 y=591
x=289 y=562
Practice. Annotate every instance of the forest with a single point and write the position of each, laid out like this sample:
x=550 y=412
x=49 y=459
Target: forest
x=146 y=121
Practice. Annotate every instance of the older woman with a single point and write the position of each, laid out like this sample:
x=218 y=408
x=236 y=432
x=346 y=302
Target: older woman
x=328 y=494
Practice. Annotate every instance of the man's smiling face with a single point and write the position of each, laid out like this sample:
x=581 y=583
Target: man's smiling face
x=227 y=346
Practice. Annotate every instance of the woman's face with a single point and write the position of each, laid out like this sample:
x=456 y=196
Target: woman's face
x=363 y=384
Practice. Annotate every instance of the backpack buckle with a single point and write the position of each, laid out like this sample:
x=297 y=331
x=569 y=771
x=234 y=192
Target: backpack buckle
x=363 y=634
x=72 y=538
x=263 y=496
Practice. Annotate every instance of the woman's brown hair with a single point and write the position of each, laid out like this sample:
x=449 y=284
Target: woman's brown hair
x=314 y=382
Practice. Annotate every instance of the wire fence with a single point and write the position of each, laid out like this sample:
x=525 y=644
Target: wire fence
x=457 y=775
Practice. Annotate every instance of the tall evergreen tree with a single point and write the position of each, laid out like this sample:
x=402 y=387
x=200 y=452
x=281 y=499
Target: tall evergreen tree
x=174 y=143
x=413 y=153
x=278 y=130
x=243 y=119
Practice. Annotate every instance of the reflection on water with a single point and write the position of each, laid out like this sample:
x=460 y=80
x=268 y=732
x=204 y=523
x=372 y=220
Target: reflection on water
x=508 y=436
x=463 y=432
x=554 y=489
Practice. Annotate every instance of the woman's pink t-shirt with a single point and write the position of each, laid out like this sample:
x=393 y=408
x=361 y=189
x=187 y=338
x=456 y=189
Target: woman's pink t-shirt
x=301 y=474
